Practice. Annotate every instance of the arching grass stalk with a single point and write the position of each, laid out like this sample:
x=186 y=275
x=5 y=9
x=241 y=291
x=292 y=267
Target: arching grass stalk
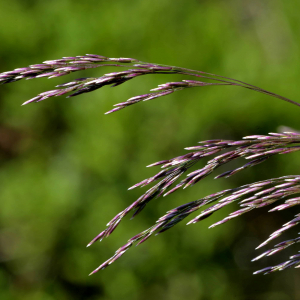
x=67 y=65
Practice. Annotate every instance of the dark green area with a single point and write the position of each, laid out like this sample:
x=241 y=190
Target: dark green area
x=65 y=166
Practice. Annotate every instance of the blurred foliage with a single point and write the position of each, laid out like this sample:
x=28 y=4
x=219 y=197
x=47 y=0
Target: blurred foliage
x=65 y=167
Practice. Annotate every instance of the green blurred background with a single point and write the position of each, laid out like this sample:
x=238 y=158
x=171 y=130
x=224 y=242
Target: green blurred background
x=65 y=166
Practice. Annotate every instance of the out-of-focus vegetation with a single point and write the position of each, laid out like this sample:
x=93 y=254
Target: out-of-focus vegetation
x=65 y=167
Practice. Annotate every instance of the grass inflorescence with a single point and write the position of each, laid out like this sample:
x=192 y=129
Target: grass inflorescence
x=255 y=149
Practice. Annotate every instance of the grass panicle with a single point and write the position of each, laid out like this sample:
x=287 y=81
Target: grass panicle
x=255 y=149
x=135 y=68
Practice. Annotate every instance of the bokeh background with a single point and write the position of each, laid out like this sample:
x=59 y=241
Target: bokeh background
x=65 y=166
